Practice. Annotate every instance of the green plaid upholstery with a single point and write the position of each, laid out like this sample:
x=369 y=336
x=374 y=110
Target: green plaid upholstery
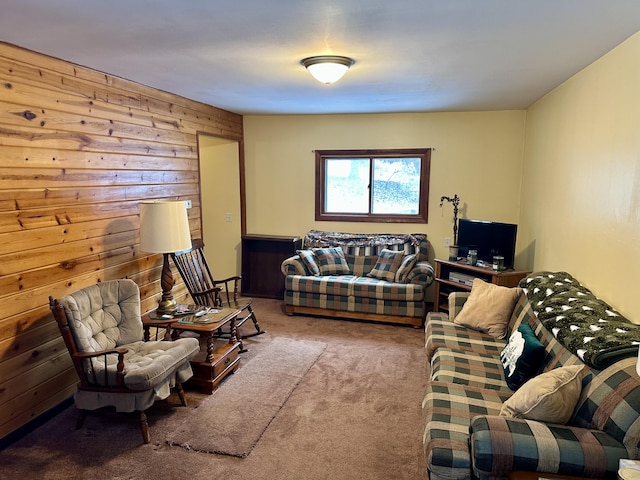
x=447 y=410
x=361 y=261
x=421 y=274
x=456 y=302
x=522 y=312
x=308 y=259
x=442 y=333
x=610 y=401
x=466 y=391
x=556 y=355
x=295 y=266
x=360 y=265
x=331 y=261
x=407 y=264
x=468 y=368
x=387 y=265
x=373 y=288
x=321 y=285
x=399 y=308
x=349 y=285
x=357 y=292
x=500 y=445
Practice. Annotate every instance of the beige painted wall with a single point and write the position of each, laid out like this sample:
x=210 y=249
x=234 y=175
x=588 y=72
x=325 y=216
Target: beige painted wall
x=581 y=182
x=220 y=195
x=477 y=155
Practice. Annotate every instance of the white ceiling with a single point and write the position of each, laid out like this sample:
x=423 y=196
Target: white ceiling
x=411 y=55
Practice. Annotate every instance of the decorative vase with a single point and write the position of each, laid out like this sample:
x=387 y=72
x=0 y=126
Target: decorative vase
x=453 y=253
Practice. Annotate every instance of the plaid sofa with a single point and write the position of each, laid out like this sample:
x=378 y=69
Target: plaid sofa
x=357 y=295
x=463 y=435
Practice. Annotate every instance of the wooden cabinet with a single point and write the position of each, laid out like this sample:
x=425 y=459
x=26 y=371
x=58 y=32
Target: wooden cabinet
x=262 y=256
x=458 y=276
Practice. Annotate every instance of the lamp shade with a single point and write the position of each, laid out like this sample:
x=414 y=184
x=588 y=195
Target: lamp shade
x=164 y=226
x=327 y=68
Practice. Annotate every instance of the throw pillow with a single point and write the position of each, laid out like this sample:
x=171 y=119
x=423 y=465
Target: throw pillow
x=331 y=261
x=387 y=265
x=488 y=308
x=309 y=260
x=550 y=397
x=521 y=357
x=407 y=264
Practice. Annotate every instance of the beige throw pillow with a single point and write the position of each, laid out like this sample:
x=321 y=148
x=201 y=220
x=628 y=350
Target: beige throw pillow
x=550 y=397
x=488 y=308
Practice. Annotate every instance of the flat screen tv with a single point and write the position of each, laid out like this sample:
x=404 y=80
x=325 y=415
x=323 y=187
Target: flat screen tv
x=489 y=238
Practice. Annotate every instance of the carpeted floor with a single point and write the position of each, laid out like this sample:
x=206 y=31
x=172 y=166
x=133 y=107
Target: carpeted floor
x=232 y=421
x=355 y=414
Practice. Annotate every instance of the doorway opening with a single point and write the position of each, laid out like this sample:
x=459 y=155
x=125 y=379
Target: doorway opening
x=221 y=202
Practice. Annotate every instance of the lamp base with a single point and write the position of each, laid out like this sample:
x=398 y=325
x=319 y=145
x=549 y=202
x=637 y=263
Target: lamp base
x=167 y=306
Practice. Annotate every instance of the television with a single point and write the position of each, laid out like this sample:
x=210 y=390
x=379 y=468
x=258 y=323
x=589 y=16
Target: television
x=489 y=238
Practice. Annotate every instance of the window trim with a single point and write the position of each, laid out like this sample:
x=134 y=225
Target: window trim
x=423 y=207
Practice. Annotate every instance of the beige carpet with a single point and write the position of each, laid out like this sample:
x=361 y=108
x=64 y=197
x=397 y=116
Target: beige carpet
x=232 y=420
x=355 y=415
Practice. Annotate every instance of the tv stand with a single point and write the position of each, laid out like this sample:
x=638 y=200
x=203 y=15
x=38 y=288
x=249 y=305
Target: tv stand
x=463 y=275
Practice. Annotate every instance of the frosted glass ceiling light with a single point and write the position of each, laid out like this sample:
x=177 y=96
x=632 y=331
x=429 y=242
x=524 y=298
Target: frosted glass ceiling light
x=327 y=68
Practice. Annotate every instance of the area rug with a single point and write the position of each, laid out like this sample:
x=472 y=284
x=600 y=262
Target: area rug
x=233 y=419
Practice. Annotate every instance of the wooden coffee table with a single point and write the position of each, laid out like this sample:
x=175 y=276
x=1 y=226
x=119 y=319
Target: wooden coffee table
x=216 y=358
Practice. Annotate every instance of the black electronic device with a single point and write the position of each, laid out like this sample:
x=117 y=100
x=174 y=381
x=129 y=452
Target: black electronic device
x=489 y=239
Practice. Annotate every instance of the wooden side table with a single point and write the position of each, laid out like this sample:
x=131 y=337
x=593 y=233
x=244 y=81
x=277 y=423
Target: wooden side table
x=218 y=358
x=149 y=322
x=445 y=285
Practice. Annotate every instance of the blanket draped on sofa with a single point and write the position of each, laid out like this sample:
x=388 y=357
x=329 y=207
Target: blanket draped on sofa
x=317 y=238
x=584 y=324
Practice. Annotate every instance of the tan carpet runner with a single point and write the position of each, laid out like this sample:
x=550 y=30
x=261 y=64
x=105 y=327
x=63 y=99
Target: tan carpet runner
x=233 y=419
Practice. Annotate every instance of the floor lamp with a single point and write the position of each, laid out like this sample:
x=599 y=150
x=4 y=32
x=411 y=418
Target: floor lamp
x=164 y=228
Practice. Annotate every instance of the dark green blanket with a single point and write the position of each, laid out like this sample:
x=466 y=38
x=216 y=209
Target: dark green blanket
x=584 y=324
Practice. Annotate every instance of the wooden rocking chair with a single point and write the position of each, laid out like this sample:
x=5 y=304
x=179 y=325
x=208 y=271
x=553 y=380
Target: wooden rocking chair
x=206 y=291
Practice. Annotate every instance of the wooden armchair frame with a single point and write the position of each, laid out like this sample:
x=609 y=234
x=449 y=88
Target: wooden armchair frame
x=83 y=364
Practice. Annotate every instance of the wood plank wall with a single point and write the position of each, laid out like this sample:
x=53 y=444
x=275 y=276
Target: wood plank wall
x=79 y=149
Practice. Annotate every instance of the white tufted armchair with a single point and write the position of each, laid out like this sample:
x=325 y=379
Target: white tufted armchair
x=103 y=332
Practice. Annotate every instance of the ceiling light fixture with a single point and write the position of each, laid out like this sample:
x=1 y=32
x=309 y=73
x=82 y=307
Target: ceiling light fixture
x=327 y=68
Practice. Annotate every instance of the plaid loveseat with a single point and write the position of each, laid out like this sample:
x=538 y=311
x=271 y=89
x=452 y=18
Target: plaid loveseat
x=464 y=436
x=353 y=293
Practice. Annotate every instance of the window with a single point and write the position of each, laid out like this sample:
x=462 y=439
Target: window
x=373 y=185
